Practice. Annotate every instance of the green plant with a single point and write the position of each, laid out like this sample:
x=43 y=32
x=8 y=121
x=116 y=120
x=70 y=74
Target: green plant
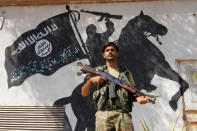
x=174 y=124
x=144 y=125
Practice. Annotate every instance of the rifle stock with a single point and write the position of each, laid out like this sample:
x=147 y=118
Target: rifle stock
x=89 y=69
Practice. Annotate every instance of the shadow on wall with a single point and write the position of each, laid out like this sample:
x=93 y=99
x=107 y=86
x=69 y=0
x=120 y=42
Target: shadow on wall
x=137 y=53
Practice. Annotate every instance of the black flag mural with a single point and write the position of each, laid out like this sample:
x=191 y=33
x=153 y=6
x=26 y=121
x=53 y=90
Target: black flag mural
x=44 y=50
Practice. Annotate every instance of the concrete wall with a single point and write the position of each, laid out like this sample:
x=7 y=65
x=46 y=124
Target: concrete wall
x=179 y=43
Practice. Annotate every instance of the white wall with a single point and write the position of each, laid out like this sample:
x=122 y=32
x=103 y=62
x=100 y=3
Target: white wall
x=179 y=43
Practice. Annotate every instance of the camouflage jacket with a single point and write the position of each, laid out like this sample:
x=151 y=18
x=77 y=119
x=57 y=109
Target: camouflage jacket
x=124 y=100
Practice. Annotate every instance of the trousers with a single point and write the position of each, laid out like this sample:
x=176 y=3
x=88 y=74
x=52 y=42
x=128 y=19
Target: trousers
x=113 y=121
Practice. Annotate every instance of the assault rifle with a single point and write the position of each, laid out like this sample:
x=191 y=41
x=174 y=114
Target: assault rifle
x=115 y=81
x=102 y=15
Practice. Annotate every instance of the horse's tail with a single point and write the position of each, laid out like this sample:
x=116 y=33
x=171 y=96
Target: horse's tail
x=62 y=101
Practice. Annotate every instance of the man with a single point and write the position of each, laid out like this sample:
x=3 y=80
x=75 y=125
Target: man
x=95 y=42
x=112 y=114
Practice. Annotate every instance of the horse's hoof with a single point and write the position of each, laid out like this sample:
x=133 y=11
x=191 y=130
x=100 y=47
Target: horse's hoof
x=173 y=104
x=174 y=100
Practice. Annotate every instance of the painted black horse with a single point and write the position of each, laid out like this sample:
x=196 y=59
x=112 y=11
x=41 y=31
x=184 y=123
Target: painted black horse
x=140 y=56
x=143 y=58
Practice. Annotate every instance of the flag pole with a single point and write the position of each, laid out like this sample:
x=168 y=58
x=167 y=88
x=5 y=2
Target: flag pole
x=79 y=35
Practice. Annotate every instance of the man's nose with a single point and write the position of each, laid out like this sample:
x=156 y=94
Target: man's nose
x=110 y=51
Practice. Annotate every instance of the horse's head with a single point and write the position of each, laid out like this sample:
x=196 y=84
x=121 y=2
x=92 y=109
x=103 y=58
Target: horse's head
x=146 y=24
x=149 y=27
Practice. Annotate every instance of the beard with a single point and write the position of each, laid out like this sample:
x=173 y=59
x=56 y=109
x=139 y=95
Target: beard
x=111 y=58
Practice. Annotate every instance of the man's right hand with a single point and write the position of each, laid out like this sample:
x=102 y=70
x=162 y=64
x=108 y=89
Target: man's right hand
x=97 y=80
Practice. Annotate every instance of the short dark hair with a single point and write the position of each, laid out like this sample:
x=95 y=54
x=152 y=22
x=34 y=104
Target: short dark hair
x=110 y=44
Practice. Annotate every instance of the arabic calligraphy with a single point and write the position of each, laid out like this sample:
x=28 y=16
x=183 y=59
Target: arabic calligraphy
x=43 y=48
x=34 y=38
x=46 y=65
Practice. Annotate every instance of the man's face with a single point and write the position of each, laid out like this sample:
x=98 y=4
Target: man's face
x=110 y=53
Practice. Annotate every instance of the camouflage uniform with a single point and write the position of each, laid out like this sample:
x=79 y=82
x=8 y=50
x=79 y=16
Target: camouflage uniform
x=113 y=121
x=113 y=114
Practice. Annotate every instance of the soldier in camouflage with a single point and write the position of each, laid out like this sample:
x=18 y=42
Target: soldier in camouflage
x=112 y=114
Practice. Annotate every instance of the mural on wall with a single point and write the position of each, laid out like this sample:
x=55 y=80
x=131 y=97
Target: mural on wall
x=42 y=50
x=143 y=58
x=95 y=41
x=53 y=44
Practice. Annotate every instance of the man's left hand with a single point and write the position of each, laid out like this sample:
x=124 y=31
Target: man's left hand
x=142 y=99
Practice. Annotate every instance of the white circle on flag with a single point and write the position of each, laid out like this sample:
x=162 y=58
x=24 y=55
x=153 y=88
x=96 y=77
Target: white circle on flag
x=43 y=48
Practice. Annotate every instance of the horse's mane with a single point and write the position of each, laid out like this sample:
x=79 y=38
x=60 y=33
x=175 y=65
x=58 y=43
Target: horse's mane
x=131 y=31
x=131 y=25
